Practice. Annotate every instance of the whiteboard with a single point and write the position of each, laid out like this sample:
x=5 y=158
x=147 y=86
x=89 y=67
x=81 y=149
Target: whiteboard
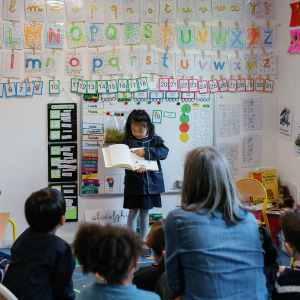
x=168 y=129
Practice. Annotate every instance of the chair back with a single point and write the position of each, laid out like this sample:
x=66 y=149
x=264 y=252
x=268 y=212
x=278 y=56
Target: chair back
x=6 y=294
x=3 y=224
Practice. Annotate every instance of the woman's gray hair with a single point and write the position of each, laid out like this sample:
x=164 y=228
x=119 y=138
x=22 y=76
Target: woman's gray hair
x=208 y=180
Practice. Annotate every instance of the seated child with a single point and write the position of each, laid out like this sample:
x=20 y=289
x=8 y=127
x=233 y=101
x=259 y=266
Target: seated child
x=112 y=253
x=42 y=264
x=287 y=285
x=153 y=278
x=4 y=264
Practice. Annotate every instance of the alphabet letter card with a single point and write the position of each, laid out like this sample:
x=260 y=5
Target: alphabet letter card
x=75 y=10
x=34 y=35
x=203 y=11
x=56 y=11
x=54 y=35
x=148 y=61
x=186 y=10
x=132 y=61
x=184 y=64
x=73 y=63
x=167 y=11
x=94 y=34
x=112 y=34
x=51 y=62
x=12 y=10
x=33 y=64
x=95 y=11
x=131 y=34
x=165 y=63
x=97 y=63
x=114 y=11
x=166 y=36
x=236 y=65
x=131 y=11
x=75 y=34
x=186 y=36
x=148 y=33
x=13 y=36
x=115 y=62
x=150 y=11
x=11 y=64
x=203 y=37
x=35 y=10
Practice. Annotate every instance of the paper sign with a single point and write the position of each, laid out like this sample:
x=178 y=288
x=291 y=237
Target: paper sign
x=220 y=38
x=250 y=85
x=95 y=34
x=213 y=86
x=131 y=11
x=54 y=35
x=202 y=65
x=51 y=62
x=167 y=11
x=251 y=64
x=241 y=85
x=157 y=116
x=184 y=85
x=13 y=36
x=112 y=86
x=203 y=10
x=220 y=9
x=56 y=11
x=91 y=87
x=97 y=63
x=268 y=36
x=11 y=64
x=115 y=62
x=193 y=85
x=35 y=10
x=10 y=89
x=267 y=63
x=253 y=40
x=73 y=64
x=95 y=11
x=203 y=87
x=76 y=34
x=219 y=66
x=132 y=61
x=163 y=84
x=237 y=38
x=54 y=87
x=102 y=87
x=259 y=85
x=114 y=11
x=236 y=65
x=34 y=35
x=131 y=33
x=75 y=10
x=285 y=121
x=38 y=87
x=33 y=64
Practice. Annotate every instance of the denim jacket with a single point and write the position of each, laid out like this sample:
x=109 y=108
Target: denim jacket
x=206 y=259
x=150 y=182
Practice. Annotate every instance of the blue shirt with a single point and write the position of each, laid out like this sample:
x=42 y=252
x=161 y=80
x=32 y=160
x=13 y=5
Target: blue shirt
x=206 y=259
x=97 y=290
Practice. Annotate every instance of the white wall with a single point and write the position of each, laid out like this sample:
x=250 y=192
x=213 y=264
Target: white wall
x=23 y=144
x=288 y=163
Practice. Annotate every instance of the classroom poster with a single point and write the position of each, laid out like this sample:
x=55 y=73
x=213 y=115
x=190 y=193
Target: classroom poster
x=285 y=121
x=296 y=137
x=111 y=185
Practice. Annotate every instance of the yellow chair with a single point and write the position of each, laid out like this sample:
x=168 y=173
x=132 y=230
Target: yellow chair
x=4 y=219
x=253 y=188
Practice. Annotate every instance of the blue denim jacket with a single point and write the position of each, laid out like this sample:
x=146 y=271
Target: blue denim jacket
x=206 y=259
x=150 y=182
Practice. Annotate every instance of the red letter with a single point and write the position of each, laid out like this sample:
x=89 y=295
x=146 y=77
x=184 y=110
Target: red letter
x=51 y=33
x=77 y=62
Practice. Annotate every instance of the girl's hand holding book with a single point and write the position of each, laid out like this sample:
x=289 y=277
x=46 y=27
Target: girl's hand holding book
x=139 y=152
x=141 y=170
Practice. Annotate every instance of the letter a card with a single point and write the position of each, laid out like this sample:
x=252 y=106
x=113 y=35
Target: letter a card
x=35 y=10
x=51 y=62
x=114 y=11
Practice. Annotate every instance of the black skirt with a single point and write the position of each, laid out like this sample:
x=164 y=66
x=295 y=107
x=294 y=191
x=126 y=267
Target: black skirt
x=142 y=201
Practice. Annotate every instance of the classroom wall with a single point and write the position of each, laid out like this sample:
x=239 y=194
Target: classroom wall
x=23 y=143
x=288 y=163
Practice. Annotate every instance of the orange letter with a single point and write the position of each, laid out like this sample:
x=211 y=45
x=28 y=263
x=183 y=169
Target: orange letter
x=203 y=39
x=186 y=65
x=166 y=32
x=148 y=58
x=267 y=60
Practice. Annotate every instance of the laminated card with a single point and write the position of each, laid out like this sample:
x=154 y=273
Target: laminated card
x=33 y=64
x=131 y=11
x=74 y=63
x=114 y=11
x=203 y=10
x=54 y=35
x=186 y=10
x=132 y=61
x=75 y=10
x=35 y=10
x=131 y=33
x=94 y=34
x=34 y=35
x=95 y=11
x=12 y=64
x=165 y=65
x=150 y=10
x=167 y=11
x=76 y=34
x=97 y=62
x=55 y=11
x=51 y=62
x=12 y=10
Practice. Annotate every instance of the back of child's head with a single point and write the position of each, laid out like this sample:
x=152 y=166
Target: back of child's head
x=156 y=241
x=290 y=224
x=107 y=250
x=44 y=209
x=139 y=116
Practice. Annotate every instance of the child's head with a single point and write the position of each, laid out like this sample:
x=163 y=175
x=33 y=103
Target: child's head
x=45 y=209
x=139 y=125
x=156 y=241
x=290 y=224
x=112 y=252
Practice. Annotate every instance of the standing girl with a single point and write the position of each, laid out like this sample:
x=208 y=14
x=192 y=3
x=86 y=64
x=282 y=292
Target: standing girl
x=142 y=187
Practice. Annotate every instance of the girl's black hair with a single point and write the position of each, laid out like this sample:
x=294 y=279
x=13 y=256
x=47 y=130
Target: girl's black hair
x=139 y=116
x=107 y=250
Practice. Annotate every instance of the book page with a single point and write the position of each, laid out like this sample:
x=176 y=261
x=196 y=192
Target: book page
x=120 y=156
x=107 y=158
x=139 y=162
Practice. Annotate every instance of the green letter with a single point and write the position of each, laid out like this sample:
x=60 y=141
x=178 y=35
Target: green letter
x=48 y=61
x=80 y=34
x=148 y=28
x=129 y=29
x=190 y=37
x=111 y=37
x=131 y=59
x=116 y=59
x=10 y=37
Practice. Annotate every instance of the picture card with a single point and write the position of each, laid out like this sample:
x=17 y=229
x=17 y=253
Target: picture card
x=285 y=121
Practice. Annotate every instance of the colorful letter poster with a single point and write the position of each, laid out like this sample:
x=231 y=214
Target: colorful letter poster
x=12 y=64
x=203 y=10
x=165 y=63
x=295 y=41
x=131 y=11
x=295 y=17
x=219 y=66
x=74 y=63
x=95 y=11
x=75 y=34
x=166 y=36
x=202 y=65
x=51 y=62
x=148 y=61
x=56 y=11
x=253 y=40
x=131 y=34
x=114 y=11
x=167 y=11
x=251 y=64
x=132 y=61
x=97 y=63
x=148 y=33
x=150 y=11
x=203 y=37
x=267 y=63
x=236 y=65
x=54 y=35
x=268 y=36
x=220 y=38
x=33 y=64
x=186 y=10
x=112 y=34
x=186 y=36
x=34 y=35
x=35 y=10
x=12 y=10
x=184 y=64
x=236 y=38
x=13 y=36
x=75 y=10
x=94 y=34
x=285 y=121
x=115 y=62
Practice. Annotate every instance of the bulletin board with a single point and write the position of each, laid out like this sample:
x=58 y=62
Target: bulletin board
x=168 y=127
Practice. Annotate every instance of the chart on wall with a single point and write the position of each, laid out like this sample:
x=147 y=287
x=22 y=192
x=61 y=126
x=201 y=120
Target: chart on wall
x=183 y=120
x=62 y=154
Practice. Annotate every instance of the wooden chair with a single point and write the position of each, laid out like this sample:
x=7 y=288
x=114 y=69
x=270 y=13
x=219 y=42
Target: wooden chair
x=6 y=294
x=4 y=219
x=253 y=188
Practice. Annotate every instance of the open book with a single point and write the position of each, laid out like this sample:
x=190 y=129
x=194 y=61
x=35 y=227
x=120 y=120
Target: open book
x=120 y=156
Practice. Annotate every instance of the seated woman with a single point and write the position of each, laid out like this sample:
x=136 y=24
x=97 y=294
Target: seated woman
x=213 y=248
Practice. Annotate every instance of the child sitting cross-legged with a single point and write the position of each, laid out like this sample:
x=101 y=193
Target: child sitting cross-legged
x=288 y=282
x=111 y=253
x=42 y=264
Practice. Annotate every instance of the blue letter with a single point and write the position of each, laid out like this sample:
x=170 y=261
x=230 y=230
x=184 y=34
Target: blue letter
x=33 y=63
x=97 y=66
x=165 y=58
x=94 y=30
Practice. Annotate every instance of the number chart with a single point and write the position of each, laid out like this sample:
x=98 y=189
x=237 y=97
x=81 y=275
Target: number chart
x=176 y=116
